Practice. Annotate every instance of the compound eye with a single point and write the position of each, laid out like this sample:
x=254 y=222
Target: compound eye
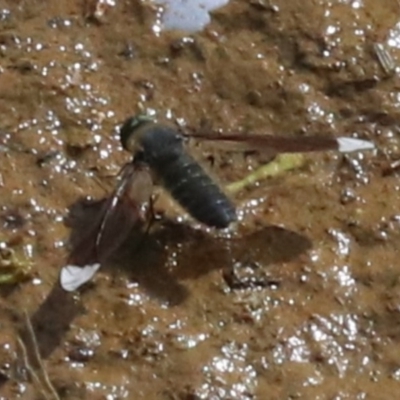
x=131 y=126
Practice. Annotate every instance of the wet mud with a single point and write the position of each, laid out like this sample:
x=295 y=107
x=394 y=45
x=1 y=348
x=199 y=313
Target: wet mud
x=301 y=300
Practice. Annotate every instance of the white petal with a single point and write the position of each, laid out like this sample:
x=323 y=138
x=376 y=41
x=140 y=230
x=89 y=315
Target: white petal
x=347 y=145
x=72 y=276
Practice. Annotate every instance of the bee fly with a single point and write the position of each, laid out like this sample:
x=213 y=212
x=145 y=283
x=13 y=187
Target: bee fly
x=160 y=156
x=162 y=149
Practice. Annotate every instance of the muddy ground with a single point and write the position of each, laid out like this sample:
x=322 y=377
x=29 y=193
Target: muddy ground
x=312 y=310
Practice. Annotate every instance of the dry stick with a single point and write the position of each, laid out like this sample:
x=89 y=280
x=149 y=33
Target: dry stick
x=38 y=359
x=28 y=366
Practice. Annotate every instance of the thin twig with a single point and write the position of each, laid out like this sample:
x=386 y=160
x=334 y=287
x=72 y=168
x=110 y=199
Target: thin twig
x=31 y=371
x=39 y=360
x=38 y=374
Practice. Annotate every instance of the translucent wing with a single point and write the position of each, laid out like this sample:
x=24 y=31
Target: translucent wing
x=126 y=207
x=287 y=144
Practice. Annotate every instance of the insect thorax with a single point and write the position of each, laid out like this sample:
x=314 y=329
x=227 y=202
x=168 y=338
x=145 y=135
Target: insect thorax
x=159 y=143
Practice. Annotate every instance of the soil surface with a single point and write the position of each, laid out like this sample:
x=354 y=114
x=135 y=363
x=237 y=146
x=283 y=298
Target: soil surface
x=300 y=300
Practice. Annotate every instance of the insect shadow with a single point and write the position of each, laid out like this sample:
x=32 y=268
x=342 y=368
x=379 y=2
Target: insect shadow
x=162 y=259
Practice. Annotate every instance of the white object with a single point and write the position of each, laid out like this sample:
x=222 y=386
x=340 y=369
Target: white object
x=72 y=276
x=347 y=145
x=188 y=15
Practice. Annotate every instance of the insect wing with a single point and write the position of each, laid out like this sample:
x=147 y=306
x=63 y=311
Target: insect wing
x=129 y=208
x=118 y=216
x=286 y=144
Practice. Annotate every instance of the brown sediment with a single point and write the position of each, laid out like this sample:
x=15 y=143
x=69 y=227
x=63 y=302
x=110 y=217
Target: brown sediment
x=303 y=301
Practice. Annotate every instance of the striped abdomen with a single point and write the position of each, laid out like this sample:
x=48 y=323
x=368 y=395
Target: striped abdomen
x=194 y=190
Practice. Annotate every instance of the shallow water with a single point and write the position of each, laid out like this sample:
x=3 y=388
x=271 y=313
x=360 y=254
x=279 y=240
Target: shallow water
x=304 y=301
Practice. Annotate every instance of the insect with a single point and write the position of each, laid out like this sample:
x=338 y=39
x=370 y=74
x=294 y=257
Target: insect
x=160 y=157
